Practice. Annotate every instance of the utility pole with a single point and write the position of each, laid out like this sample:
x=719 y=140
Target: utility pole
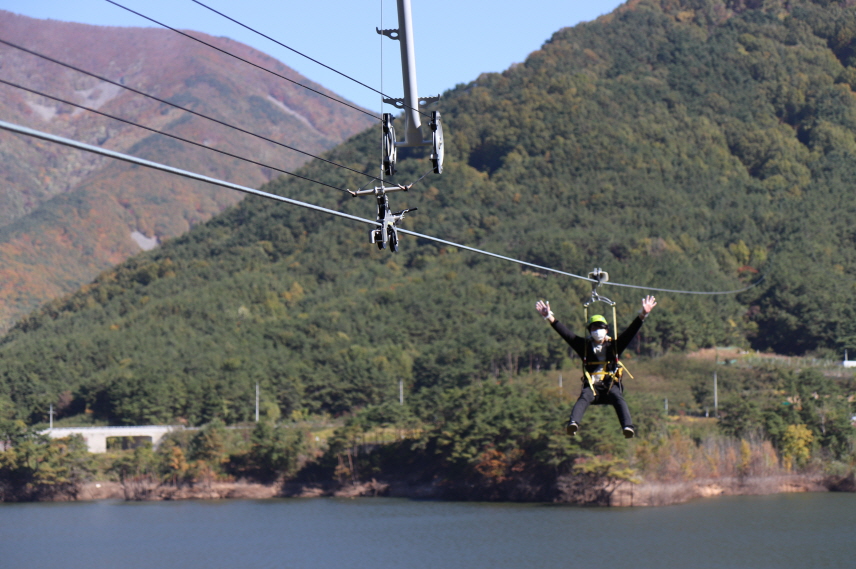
x=257 y=402
x=715 y=396
x=401 y=392
x=51 y=414
x=715 y=392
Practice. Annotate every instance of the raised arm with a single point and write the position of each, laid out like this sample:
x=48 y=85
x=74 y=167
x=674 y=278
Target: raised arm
x=543 y=308
x=577 y=343
x=648 y=304
x=624 y=339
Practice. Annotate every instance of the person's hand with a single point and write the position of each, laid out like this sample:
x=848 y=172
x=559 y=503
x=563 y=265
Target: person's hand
x=648 y=304
x=543 y=309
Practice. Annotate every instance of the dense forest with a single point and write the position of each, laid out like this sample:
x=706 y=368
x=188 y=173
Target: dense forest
x=687 y=144
x=486 y=441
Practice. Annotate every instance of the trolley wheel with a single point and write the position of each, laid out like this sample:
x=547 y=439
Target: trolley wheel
x=389 y=150
x=393 y=239
x=438 y=150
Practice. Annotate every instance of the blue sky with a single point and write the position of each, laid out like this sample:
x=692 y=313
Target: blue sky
x=455 y=40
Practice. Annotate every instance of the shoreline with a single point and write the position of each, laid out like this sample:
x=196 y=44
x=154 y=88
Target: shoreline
x=645 y=494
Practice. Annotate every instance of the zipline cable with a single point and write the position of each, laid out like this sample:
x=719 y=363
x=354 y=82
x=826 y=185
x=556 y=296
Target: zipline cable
x=356 y=108
x=298 y=53
x=199 y=144
x=185 y=109
x=164 y=168
x=419 y=179
x=193 y=176
x=736 y=291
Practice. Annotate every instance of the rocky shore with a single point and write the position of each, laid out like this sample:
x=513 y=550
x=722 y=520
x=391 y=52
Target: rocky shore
x=154 y=492
x=664 y=494
x=624 y=495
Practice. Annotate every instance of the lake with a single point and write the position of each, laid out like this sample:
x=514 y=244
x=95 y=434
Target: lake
x=787 y=530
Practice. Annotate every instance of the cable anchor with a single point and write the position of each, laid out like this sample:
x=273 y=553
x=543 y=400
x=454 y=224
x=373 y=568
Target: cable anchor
x=399 y=103
x=391 y=34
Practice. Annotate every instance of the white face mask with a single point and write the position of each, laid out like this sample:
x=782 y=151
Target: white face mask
x=598 y=335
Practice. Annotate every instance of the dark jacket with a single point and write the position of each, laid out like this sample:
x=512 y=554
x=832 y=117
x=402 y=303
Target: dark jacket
x=584 y=347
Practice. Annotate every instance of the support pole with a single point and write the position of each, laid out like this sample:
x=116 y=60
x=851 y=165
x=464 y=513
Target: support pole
x=715 y=396
x=413 y=130
x=257 y=402
x=401 y=392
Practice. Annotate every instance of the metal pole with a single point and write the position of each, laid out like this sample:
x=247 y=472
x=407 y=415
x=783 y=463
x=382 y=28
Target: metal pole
x=413 y=132
x=715 y=396
x=666 y=405
x=560 y=383
x=401 y=392
x=51 y=414
x=257 y=403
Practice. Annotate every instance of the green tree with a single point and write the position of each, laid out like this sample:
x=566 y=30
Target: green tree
x=741 y=417
x=275 y=450
x=208 y=448
x=34 y=467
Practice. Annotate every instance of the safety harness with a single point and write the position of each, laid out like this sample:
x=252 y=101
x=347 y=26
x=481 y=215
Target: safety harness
x=613 y=369
x=609 y=377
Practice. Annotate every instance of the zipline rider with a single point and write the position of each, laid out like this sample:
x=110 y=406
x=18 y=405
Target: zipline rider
x=602 y=369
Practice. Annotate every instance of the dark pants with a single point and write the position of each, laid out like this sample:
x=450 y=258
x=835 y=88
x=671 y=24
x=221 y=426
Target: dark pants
x=614 y=397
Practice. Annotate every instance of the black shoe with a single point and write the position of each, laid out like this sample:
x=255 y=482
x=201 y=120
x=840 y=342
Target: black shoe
x=572 y=429
x=629 y=433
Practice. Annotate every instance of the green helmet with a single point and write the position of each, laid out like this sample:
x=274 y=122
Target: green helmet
x=597 y=319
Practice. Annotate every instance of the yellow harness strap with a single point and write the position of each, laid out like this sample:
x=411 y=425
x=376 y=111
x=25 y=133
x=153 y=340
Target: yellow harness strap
x=613 y=376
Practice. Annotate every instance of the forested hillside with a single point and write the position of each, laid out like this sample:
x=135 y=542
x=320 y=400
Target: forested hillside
x=692 y=144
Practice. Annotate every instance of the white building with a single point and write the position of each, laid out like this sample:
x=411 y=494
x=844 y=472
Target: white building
x=96 y=437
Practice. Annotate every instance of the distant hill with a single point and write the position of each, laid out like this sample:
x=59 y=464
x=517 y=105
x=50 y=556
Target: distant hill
x=65 y=216
x=693 y=144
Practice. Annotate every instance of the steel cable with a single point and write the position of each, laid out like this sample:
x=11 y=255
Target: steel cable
x=199 y=144
x=300 y=54
x=191 y=175
x=185 y=109
x=221 y=50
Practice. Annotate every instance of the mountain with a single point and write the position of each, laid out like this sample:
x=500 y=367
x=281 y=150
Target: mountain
x=65 y=215
x=696 y=145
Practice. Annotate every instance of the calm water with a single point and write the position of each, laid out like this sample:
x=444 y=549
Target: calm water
x=800 y=530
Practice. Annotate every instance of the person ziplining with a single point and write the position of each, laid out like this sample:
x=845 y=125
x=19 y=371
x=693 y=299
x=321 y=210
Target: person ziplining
x=602 y=370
